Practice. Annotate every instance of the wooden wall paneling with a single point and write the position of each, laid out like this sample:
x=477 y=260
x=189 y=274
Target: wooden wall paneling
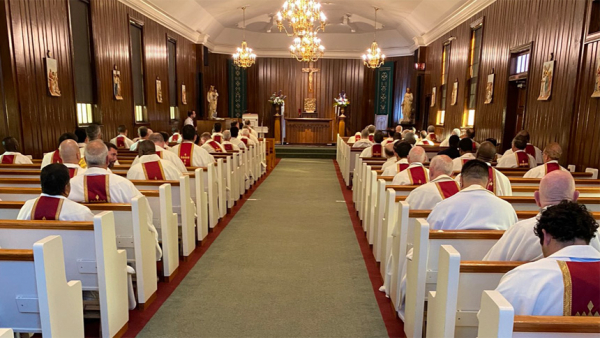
x=11 y=115
x=216 y=74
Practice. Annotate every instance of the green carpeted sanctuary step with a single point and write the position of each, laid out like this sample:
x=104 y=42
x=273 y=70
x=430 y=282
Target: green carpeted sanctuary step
x=322 y=152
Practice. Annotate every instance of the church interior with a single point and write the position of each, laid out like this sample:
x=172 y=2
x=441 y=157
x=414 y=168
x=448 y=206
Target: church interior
x=305 y=168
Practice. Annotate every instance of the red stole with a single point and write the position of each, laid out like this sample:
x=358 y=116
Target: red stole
x=356 y=138
x=402 y=166
x=186 y=152
x=96 y=189
x=56 y=157
x=530 y=149
x=159 y=153
x=582 y=288
x=371 y=138
x=8 y=159
x=474 y=146
x=522 y=159
x=121 y=141
x=72 y=172
x=465 y=160
x=376 y=150
x=46 y=208
x=175 y=138
x=215 y=146
x=417 y=175
x=228 y=146
x=217 y=138
x=550 y=167
x=447 y=188
x=245 y=140
x=432 y=137
x=153 y=171
x=491 y=186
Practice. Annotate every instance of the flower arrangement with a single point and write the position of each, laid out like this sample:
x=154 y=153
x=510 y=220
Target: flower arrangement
x=277 y=99
x=342 y=101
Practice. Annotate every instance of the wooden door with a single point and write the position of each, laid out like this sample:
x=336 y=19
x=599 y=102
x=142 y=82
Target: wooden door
x=514 y=118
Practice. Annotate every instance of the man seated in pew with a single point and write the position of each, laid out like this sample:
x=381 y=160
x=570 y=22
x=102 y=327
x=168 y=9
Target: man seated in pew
x=175 y=136
x=530 y=149
x=253 y=133
x=416 y=173
x=498 y=183
x=518 y=158
x=82 y=138
x=474 y=207
x=424 y=141
x=71 y=157
x=355 y=138
x=410 y=138
x=465 y=148
x=190 y=154
x=165 y=137
x=172 y=158
x=11 y=153
x=431 y=136
x=97 y=185
x=217 y=134
x=143 y=134
x=388 y=150
x=229 y=147
x=376 y=149
x=439 y=187
x=246 y=138
x=470 y=134
x=121 y=140
x=519 y=243
x=551 y=155
x=401 y=150
x=210 y=145
x=54 y=156
x=566 y=282
x=364 y=141
x=150 y=166
x=446 y=142
x=113 y=155
x=371 y=129
x=235 y=140
x=53 y=204
x=452 y=150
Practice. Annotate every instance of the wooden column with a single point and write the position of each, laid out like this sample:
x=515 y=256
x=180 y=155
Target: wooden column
x=342 y=125
x=277 y=129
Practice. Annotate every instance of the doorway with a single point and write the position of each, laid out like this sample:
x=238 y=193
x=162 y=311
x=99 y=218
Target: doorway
x=516 y=98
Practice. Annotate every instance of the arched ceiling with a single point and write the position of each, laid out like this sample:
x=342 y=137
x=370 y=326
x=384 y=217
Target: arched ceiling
x=402 y=25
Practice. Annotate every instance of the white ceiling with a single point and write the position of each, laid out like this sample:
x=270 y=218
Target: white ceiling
x=402 y=25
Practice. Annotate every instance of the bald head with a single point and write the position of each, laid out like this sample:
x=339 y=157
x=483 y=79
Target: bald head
x=440 y=165
x=486 y=152
x=417 y=154
x=146 y=147
x=69 y=152
x=96 y=154
x=556 y=187
x=552 y=152
x=158 y=139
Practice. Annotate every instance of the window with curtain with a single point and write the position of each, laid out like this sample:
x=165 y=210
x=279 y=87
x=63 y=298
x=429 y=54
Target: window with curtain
x=172 y=57
x=83 y=65
x=137 y=71
x=441 y=117
x=474 y=60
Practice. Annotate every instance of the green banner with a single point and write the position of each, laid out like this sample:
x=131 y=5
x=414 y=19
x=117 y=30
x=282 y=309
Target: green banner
x=238 y=90
x=384 y=90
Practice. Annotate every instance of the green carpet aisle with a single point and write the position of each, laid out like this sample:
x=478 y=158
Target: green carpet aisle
x=288 y=264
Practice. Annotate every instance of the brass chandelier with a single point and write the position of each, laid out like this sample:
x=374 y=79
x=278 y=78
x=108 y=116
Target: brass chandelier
x=244 y=57
x=307 y=48
x=374 y=58
x=303 y=17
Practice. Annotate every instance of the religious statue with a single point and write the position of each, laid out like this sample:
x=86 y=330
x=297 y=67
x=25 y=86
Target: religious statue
x=407 y=106
x=212 y=97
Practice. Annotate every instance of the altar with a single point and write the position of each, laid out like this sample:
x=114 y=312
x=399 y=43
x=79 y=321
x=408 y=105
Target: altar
x=308 y=130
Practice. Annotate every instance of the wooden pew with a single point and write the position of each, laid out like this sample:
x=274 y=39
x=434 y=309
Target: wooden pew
x=33 y=282
x=90 y=256
x=497 y=320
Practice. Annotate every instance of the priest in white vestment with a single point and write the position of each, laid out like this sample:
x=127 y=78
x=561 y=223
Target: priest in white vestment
x=498 y=183
x=190 y=154
x=235 y=140
x=217 y=134
x=355 y=138
x=364 y=141
x=11 y=153
x=376 y=149
x=569 y=271
x=54 y=156
x=53 y=204
x=446 y=142
x=120 y=189
x=551 y=155
x=229 y=147
x=253 y=133
x=532 y=150
x=416 y=173
x=247 y=138
x=388 y=150
x=440 y=186
x=465 y=147
x=143 y=134
x=71 y=157
x=121 y=140
x=163 y=154
x=211 y=145
x=401 y=150
x=518 y=158
x=175 y=135
x=151 y=167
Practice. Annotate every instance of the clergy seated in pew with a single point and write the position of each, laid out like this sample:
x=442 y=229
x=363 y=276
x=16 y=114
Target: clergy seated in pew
x=446 y=142
x=498 y=183
x=530 y=149
x=465 y=147
x=97 y=185
x=439 y=187
x=235 y=138
x=191 y=154
x=519 y=243
x=54 y=156
x=210 y=145
x=401 y=150
x=364 y=141
x=519 y=158
x=452 y=144
x=217 y=135
x=91 y=256
x=390 y=156
x=415 y=173
x=175 y=135
x=143 y=134
x=71 y=157
x=376 y=149
x=497 y=319
x=121 y=140
x=164 y=154
x=55 y=306
x=551 y=155
x=229 y=147
x=246 y=137
x=151 y=166
x=11 y=153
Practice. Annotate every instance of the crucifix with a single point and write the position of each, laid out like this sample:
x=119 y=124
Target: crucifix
x=310 y=70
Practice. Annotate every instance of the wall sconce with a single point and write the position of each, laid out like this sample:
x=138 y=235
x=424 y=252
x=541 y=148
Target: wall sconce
x=420 y=66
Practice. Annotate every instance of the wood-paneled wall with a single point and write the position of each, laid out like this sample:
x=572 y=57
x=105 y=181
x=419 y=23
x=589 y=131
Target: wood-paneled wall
x=554 y=26
x=34 y=27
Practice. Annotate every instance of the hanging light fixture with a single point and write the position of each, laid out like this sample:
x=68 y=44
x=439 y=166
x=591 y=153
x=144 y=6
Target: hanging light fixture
x=307 y=48
x=374 y=58
x=244 y=57
x=303 y=17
